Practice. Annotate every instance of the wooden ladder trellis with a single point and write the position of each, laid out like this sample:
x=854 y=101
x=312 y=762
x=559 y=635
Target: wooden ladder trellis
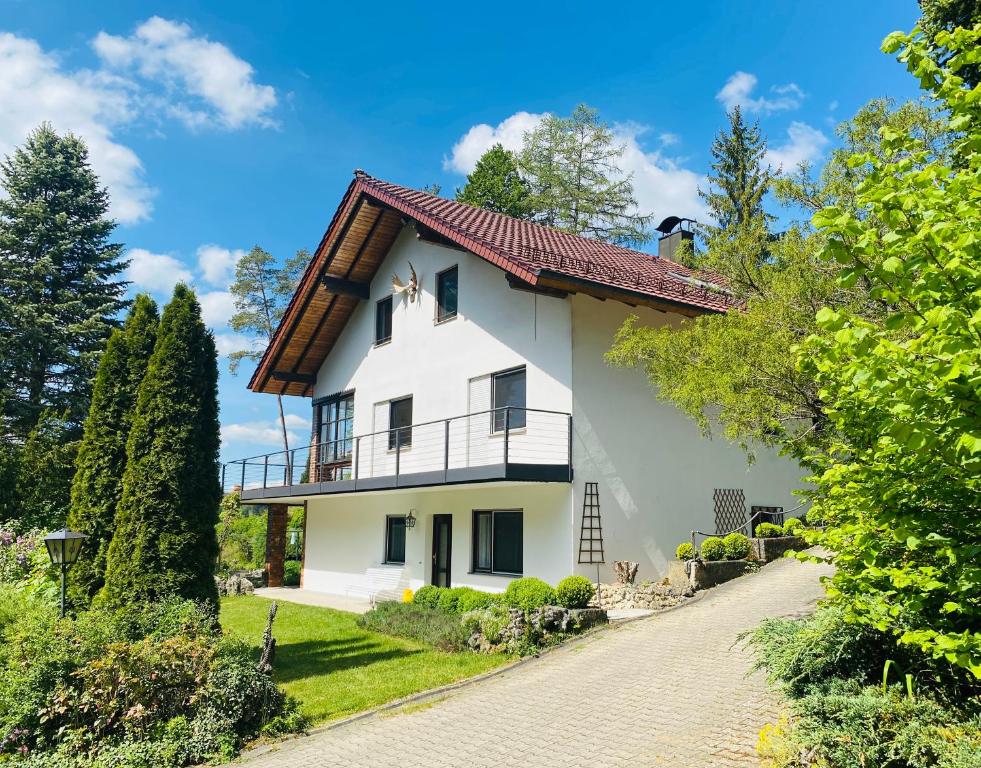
x=591 y=529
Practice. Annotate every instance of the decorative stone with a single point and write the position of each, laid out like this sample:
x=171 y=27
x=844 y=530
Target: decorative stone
x=647 y=595
x=625 y=570
x=234 y=585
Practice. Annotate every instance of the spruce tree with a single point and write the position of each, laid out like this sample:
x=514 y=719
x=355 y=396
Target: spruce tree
x=101 y=461
x=164 y=542
x=45 y=463
x=740 y=180
x=59 y=287
x=496 y=185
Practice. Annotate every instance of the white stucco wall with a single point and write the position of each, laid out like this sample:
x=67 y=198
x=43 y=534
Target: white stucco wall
x=345 y=536
x=656 y=472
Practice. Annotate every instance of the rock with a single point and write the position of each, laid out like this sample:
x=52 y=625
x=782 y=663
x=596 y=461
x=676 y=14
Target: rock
x=625 y=570
x=234 y=585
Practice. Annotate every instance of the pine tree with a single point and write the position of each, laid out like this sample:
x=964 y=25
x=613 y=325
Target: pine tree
x=101 y=461
x=45 y=463
x=59 y=286
x=740 y=180
x=496 y=185
x=572 y=166
x=164 y=542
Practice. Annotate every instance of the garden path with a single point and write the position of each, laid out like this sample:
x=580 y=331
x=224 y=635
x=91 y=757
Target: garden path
x=674 y=689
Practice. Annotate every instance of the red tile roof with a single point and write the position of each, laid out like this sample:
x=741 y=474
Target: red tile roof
x=528 y=249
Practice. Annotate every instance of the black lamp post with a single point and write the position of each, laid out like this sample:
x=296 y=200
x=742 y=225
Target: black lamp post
x=63 y=549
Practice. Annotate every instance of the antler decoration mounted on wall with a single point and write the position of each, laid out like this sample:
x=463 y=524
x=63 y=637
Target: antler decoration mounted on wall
x=409 y=288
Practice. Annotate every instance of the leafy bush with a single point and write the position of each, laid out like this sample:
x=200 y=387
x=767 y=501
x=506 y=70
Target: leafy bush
x=291 y=573
x=768 y=531
x=474 y=599
x=427 y=596
x=490 y=622
x=685 y=551
x=439 y=629
x=713 y=549
x=449 y=599
x=736 y=545
x=529 y=593
x=792 y=526
x=574 y=592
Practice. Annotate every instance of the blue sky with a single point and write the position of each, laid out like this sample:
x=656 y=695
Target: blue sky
x=223 y=125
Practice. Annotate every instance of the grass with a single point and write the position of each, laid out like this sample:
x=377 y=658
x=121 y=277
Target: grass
x=334 y=668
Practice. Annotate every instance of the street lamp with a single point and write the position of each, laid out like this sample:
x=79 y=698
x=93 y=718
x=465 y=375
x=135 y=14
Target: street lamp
x=63 y=549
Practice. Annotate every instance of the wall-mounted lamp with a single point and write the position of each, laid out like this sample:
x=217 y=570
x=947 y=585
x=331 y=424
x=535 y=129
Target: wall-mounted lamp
x=410 y=519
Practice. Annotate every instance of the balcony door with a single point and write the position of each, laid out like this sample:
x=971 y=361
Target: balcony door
x=442 y=549
x=336 y=436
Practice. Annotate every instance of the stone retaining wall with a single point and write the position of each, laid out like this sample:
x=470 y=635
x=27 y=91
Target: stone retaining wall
x=767 y=550
x=647 y=595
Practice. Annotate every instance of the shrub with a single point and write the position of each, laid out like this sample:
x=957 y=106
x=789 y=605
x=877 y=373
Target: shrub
x=291 y=573
x=685 y=551
x=450 y=598
x=441 y=630
x=768 y=531
x=474 y=599
x=427 y=596
x=792 y=526
x=713 y=549
x=736 y=546
x=574 y=592
x=529 y=593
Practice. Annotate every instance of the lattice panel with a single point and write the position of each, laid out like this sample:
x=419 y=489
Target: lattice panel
x=730 y=509
x=591 y=530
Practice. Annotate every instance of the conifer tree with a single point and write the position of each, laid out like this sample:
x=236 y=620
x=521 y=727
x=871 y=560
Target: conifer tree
x=164 y=542
x=496 y=185
x=60 y=290
x=101 y=461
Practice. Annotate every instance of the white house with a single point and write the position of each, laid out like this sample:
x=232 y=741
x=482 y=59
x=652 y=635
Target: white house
x=462 y=411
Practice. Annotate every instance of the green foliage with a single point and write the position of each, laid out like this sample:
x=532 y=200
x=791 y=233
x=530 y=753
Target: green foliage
x=944 y=16
x=898 y=484
x=60 y=290
x=496 y=185
x=440 y=629
x=23 y=557
x=291 y=573
x=165 y=541
x=685 y=551
x=574 y=591
x=529 y=593
x=572 y=168
x=768 y=531
x=713 y=549
x=427 y=595
x=456 y=600
x=474 y=599
x=792 y=526
x=241 y=534
x=44 y=475
x=449 y=598
x=736 y=545
x=490 y=622
x=101 y=462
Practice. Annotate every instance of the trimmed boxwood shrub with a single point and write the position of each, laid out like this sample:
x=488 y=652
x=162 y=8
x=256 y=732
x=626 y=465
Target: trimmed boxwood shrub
x=713 y=549
x=792 y=526
x=291 y=573
x=574 y=592
x=529 y=593
x=768 y=531
x=685 y=551
x=427 y=596
x=736 y=545
x=473 y=599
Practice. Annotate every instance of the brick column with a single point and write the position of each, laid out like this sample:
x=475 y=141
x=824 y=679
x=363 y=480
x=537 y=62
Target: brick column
x=276 y=543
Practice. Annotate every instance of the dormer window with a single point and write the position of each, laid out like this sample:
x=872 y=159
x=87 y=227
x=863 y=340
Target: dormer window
x=446 y=294
x=383 y=321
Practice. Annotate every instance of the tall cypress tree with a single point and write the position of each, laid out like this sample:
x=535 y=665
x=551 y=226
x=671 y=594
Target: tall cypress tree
x=101 y=461
x=164 y=542
x=60 y=290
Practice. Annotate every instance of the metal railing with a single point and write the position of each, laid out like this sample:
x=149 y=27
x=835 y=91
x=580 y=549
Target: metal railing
x=442 y=450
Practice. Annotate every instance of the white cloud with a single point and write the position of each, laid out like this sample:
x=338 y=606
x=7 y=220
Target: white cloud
x=804 y=144
x=233 y=342
x=155 y=272
x=217 y=264
x=739 y=87
x=509 y=133
x=217 y=308
x=34 y=88
x=262 y=432
x=166 y=52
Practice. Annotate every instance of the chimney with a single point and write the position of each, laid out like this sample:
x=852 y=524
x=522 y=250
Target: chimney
x=674 y=231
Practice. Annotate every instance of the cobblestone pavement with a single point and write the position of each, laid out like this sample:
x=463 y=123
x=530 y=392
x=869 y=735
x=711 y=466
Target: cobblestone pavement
x=670 y=690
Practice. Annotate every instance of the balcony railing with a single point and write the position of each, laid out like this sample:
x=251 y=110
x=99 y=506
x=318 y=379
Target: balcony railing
x=526 y=444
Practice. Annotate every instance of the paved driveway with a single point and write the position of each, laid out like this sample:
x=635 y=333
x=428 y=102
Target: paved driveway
x=671 y=690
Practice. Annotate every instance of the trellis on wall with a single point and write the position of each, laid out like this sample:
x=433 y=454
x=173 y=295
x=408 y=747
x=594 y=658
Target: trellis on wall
x=730 y=509
x=591 y=528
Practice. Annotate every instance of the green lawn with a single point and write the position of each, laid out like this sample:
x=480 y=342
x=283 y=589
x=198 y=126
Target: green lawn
x=334 y=668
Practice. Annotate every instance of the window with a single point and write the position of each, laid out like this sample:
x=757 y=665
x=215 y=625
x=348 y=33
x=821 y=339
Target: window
x=446 y=294
x=497 y=541
x=336 y=420
x=399 y=423
x=395 y=540
x=383 y=320
x=508 y=390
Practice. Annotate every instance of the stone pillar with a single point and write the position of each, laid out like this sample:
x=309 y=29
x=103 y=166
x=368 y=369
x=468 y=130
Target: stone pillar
x=276 y=543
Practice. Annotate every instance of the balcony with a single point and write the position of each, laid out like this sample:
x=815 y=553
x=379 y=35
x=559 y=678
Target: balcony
x=509 y=444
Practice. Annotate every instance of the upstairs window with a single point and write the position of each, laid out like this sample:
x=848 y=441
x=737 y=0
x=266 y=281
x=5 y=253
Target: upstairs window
x=336 y=436
x=399 y=423
x=508 y=391
x=383 y=320
x=446 y=294
x=395 y=540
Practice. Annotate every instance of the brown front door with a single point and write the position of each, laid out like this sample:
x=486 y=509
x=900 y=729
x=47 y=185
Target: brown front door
x=442 y=549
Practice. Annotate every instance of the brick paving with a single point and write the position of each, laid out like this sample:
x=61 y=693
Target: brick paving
x=670 y=690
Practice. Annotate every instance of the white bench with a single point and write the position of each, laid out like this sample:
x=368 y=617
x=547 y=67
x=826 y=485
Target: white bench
x=384 y=582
